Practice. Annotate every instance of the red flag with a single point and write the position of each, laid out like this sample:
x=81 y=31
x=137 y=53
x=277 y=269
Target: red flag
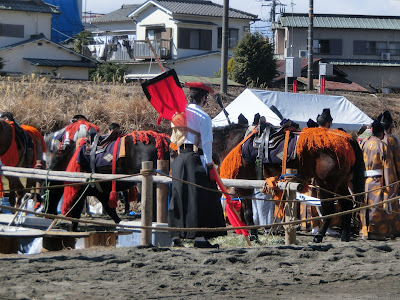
x=230 y=210
x=165 y=94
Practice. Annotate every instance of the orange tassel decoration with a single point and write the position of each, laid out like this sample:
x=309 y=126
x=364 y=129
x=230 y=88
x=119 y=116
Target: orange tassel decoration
x=312 y=140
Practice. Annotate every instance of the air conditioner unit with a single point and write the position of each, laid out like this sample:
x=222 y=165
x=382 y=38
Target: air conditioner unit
x=385 y=56
x=303 y=53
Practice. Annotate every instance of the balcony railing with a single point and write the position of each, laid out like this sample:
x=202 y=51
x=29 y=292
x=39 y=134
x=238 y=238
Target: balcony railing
x=141 y=49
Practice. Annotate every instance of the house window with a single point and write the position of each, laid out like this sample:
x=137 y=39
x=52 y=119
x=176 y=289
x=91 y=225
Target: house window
x=11 y=30
x=328 y=47
x=394 y=48
x=154 y=34
x=194 y=40
x=233 y=38
x=200 y=39
x=369 y=47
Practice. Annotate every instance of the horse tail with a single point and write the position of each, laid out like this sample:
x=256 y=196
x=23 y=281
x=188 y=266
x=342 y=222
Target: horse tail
x=358 y=171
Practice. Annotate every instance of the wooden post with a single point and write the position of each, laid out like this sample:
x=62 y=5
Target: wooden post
x=147 y=201
x=290 y=209
x=162 y=193
x=290 y=215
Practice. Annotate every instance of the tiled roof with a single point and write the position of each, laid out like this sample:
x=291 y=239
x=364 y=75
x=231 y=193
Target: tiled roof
x=336 y=86
x=340 y=21
x=117 y=15
x=201 y=8
x=28 y=5
x=32 y=39
x=40 y=37
x=59 y=63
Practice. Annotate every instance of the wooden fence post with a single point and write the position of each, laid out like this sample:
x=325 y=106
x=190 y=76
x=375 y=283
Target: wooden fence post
x=147 y=201
x=290 y=209
x=290 y=215
x=162 y=193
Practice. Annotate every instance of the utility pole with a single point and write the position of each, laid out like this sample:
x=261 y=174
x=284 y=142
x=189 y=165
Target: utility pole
x=310 y=46
x=272 y=14
x=224 y=48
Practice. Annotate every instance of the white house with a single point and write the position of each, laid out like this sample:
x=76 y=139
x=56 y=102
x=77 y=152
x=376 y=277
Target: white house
x=185 y=34
x=25 y=45
x=365 y=48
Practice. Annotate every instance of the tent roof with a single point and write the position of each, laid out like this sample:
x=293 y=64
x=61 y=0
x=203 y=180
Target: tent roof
x=296 y=107
x=247 y=104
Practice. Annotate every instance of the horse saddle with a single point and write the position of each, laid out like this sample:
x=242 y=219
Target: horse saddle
x=100 y=152
x=269 y=145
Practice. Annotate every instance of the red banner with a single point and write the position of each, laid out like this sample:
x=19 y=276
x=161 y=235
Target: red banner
x=165 y=95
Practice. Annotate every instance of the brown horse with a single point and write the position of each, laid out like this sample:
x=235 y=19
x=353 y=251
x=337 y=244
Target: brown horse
x=20 y=146
x=335 y=167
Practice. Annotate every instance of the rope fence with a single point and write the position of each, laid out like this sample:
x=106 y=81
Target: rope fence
x=163 y=178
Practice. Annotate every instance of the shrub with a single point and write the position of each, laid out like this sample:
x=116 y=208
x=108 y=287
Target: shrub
x=111 y=72
x=254 y=64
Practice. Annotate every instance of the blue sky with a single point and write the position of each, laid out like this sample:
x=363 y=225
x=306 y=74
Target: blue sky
x=262 y=8
x=355 y=7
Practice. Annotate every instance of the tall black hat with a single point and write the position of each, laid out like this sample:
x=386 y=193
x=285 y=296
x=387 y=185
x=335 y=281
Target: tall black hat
x=385 y=118
x=377 y=128
x=325 y=116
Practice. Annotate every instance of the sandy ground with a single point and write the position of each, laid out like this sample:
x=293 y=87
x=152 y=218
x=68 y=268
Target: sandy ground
x=331 y=270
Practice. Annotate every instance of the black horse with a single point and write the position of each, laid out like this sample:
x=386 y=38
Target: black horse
x=139 y=146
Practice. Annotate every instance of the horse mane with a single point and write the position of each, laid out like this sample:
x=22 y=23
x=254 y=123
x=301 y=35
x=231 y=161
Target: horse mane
x=162 y=140
x=225 y=139
x=223 y=130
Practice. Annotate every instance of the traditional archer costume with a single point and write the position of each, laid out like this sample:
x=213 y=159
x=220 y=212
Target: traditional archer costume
x=190 y=206
x=377 y=222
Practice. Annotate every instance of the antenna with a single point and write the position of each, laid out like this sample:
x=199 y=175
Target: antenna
x=291 y=42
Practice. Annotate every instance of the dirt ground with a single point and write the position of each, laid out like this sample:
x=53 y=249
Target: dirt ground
x=331 y=270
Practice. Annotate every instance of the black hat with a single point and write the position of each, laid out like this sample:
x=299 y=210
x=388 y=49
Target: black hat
x=78 y=117
x=377 y=128
x=242 y=120
x=386 y=119
x=256 y=119
x=311 y=123
x=325 y=116
x=7 y=115
x=113 y=126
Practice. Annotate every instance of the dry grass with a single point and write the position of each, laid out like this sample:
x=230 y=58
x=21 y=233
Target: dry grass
x=49 y=104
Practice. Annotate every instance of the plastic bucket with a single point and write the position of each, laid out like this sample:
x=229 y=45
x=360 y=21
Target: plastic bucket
x=5 y=201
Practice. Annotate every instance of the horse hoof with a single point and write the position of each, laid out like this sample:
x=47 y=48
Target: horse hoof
x=253 y=237
x=345 y=237
x=318 y=238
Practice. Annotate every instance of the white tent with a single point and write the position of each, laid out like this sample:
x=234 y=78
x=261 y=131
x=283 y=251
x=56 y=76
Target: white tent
x=296 y=107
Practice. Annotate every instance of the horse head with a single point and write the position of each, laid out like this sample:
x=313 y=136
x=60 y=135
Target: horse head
x=6 y=136
x=52 y=141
